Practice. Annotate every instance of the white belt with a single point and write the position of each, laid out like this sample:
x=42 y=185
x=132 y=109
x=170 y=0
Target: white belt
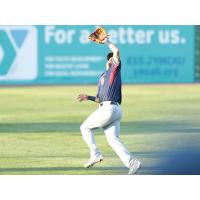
x=108 y=103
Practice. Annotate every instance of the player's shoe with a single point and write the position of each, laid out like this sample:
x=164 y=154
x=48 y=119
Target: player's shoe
x=93 y=161
x=134 y=166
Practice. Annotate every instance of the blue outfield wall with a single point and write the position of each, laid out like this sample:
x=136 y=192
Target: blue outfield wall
x=64 y=55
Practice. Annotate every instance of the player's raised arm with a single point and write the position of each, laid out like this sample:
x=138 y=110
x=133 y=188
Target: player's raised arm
x=100 y=36
x=115 y=51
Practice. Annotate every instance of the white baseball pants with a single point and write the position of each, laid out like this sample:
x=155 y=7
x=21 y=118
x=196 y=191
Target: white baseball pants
x=108 y=117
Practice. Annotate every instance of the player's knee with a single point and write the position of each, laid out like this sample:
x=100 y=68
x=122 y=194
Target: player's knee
x=83 y=127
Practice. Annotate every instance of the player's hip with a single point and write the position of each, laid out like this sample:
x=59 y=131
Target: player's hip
x=104 y=115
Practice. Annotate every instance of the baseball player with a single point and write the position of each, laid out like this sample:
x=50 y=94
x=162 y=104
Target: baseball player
x=108 y=114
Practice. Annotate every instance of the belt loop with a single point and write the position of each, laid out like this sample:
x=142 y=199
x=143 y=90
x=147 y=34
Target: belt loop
x=114 y=103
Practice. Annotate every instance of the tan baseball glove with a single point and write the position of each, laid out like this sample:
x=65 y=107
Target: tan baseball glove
x=99 y=35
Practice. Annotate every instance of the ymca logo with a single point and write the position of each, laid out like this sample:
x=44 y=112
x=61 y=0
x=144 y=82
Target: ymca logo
x=18 y=53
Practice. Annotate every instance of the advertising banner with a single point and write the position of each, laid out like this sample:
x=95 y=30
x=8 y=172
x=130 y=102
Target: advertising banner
x=64 y=54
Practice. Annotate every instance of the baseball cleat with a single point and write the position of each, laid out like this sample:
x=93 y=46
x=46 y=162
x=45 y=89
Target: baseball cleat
x=93 y=161
x=134 y=166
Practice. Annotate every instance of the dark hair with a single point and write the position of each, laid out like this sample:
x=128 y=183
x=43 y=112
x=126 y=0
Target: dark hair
x=110 y=55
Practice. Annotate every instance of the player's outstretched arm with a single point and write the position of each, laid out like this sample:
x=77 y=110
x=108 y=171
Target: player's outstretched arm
x=114 y=49
x=85 y=97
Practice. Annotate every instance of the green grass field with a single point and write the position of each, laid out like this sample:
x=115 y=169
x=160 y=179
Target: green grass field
x=39 y=128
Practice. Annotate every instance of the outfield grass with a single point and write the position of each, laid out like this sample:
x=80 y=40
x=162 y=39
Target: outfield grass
x=39 y=129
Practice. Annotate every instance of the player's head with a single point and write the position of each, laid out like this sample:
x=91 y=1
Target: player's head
x=110 y=55
x=109 y=60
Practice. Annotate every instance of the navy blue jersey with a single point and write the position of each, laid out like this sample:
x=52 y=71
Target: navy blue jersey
x=109 y=87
